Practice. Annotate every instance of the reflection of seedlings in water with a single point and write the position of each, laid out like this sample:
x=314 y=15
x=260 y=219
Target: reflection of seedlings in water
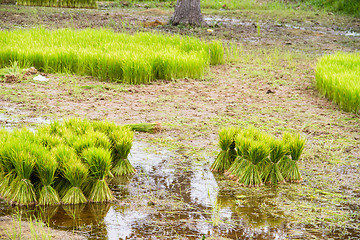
x=74 y=212
x=119 y=186
x=46 y=213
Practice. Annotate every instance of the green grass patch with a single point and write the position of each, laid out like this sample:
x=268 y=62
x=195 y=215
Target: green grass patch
x=59 y=3
x=338 y=78
x=134 y=59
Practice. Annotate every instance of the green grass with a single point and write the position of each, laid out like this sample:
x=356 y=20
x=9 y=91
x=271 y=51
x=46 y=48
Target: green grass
x=338 y=78
x=59 y=3
x=134 y=59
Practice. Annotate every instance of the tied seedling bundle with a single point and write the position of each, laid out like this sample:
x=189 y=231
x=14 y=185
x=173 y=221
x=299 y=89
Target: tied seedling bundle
x=253 y=158
x=67 y=163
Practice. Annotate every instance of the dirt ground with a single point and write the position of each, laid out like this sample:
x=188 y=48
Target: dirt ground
x=271 y=85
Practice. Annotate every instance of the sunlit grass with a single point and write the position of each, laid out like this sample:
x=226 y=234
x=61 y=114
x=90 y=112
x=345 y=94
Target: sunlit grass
x=338 y=78
x=135 y=59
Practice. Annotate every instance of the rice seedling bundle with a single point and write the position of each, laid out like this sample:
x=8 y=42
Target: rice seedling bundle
x=67 y=163
x=59 y=3
x=99 y=163
x=260 y=158
x=134 y=59
x=338 y=78
x=227 y=154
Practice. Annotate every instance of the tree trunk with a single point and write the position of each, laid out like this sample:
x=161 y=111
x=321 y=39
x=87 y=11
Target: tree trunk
x=187 y=12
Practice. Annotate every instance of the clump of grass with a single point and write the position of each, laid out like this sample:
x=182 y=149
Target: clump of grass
x=121 y=144
x=227 y=154
x=288 y=165
x=99 y=163
x=337 y=78
x=272 y=173
x=46 y=166
x=134 y=59
x=260 y=158
x=76 y=174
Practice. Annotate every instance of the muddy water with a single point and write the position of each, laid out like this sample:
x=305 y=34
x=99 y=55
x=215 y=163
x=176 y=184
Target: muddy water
x=170 y=197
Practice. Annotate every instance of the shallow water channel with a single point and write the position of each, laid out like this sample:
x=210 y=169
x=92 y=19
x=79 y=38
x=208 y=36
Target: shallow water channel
x=170 y=197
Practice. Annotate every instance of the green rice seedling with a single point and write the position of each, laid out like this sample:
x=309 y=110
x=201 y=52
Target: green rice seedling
x=227 y=154
x=7 y=168
x=62 y=154
x=145 y=127
x=337 y=78
x=98 y=161
x=272 y=173
x=60 y=3
x=241 y=163
x=76 y=174
x=104 y=127
x=49 y=141
x=121 y=145
x=257 y=153
x=23 y=191
x=288 y=165
x=46 y=166
x=78 y=126
x=134 y=59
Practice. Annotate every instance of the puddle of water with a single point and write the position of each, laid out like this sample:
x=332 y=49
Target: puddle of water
x=164 y=177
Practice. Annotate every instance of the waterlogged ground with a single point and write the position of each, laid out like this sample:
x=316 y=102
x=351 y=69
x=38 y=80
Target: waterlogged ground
x=174 y=195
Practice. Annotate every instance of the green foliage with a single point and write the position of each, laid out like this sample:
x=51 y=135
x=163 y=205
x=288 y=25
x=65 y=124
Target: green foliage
x=134 y=59
x=227 y=145
x=259 y=157
x=338 y=78
x=63 y=163
x=59 y=3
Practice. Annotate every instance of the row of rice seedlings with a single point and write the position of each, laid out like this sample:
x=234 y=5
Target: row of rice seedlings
x=338 y=78
x=67 y=163
x=253 y=158
x=59 y=3
x=134 y=59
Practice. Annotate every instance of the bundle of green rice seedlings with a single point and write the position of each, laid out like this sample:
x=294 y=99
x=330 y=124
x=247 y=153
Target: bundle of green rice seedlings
x=76 y=174
x=257 y=153
x=23 y=191
x=62 y=153
x=121 y=141
x=272 y=173
x=289 y=166
x=78 y=126
x=227 y=154
x=104 y=126
x=48 y=140
x=252 y=133
x=81 y=143
x=101 y=140
x=145 y=127
x=241 y=163
x=46 y=166
x=98 y=161
x=7 y=169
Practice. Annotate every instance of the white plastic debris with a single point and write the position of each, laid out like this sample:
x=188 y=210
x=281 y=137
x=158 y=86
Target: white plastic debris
x=40 y=78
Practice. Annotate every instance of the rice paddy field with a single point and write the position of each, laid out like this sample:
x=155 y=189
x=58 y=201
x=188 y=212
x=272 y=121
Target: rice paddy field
x=252 y=122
